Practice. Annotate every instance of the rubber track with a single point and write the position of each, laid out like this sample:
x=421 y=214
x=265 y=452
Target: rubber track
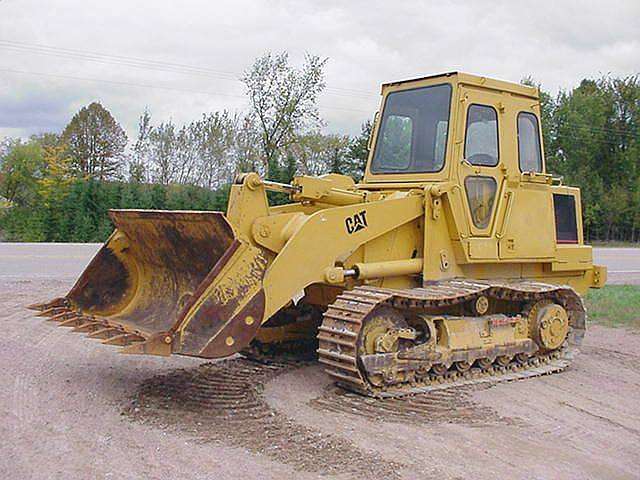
x=343 y=321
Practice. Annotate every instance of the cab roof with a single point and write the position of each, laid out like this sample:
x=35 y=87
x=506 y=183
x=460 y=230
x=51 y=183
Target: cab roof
x=466 y=79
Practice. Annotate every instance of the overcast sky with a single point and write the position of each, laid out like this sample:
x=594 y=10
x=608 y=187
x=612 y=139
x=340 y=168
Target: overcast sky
x=181 y=59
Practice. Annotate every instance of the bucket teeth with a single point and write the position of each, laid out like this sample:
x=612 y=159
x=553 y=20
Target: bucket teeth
x=88 y=327
x=62 y=317
x=57 y=302
x=124 y=339
x=53 y=311
x=105 y=333
x=74 y=321
x=60 y=311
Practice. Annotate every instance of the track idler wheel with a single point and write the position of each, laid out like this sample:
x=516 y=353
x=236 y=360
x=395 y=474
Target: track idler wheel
x=548 y=325
x=384 y=332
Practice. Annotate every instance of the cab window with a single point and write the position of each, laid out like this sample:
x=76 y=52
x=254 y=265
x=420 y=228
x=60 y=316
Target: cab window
x=481 y=194
x=397 y=142
x=529 y=152
x=481 y=142
x=413 y=131
x=566 y=220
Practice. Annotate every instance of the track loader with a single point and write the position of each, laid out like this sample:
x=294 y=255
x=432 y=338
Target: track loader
x=457 y=259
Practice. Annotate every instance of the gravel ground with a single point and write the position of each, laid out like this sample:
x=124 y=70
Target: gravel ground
x=73 y=408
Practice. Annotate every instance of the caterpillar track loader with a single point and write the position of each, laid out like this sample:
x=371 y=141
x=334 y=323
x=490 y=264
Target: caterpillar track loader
x=457 y=259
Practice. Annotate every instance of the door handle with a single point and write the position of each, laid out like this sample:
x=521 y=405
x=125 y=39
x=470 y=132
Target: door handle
x=466 y=162
x=507 y=216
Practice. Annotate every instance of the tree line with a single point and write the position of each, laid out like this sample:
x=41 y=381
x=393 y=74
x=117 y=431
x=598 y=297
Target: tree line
x=59 y=186
x=592 y=139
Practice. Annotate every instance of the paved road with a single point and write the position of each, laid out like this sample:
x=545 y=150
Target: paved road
x=45 y=260
x=623 y=264
x=67 y=260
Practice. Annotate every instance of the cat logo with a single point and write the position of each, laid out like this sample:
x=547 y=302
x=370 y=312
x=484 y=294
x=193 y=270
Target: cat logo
x=357 y=222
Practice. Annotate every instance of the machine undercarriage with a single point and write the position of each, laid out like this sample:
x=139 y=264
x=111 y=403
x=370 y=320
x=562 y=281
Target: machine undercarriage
x=384 y=342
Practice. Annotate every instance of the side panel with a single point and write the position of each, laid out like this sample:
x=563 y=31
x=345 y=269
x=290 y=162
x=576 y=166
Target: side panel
x=402 y=243
x=327 y=236
x=529 y=230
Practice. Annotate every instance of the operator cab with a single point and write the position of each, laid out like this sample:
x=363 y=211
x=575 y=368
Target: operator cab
x=481 y=140
x=430 y=125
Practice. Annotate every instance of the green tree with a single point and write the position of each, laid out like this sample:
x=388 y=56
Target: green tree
x=53 y=186
x=96 y=143
x=283 y=101
x=213 y=137
x=359 y=151
x=592 y=141
x=22 y=166
x=138 y=162
x=317 y=154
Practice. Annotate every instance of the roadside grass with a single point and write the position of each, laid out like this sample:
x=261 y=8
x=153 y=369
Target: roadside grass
x=615 y=306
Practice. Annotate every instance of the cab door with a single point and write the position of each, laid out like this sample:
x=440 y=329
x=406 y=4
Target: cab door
x=481 y=171
x=526 y=231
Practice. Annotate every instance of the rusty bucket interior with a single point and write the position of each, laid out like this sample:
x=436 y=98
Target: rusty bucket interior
x=150 y=267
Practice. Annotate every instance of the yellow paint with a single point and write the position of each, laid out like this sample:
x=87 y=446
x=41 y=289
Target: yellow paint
x=399 y=229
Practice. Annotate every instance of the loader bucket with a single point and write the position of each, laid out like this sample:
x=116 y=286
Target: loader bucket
x=139 y=288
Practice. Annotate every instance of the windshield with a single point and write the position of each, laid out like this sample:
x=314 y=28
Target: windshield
x=413 y=131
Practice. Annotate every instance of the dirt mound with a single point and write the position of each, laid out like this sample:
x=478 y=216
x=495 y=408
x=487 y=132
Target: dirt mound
x=223 y=402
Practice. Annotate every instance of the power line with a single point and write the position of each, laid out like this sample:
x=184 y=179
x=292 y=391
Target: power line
x=180 y=68
x=88 y=54
x=572 y=127
x=620 y=129
x=117 y=82
x=160 y=87
x=153 y=65
x=594 y=130
x=157 y=68
x=624 y=132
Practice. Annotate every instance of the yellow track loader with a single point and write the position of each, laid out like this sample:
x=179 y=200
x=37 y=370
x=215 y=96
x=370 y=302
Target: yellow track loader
x=457 y=259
